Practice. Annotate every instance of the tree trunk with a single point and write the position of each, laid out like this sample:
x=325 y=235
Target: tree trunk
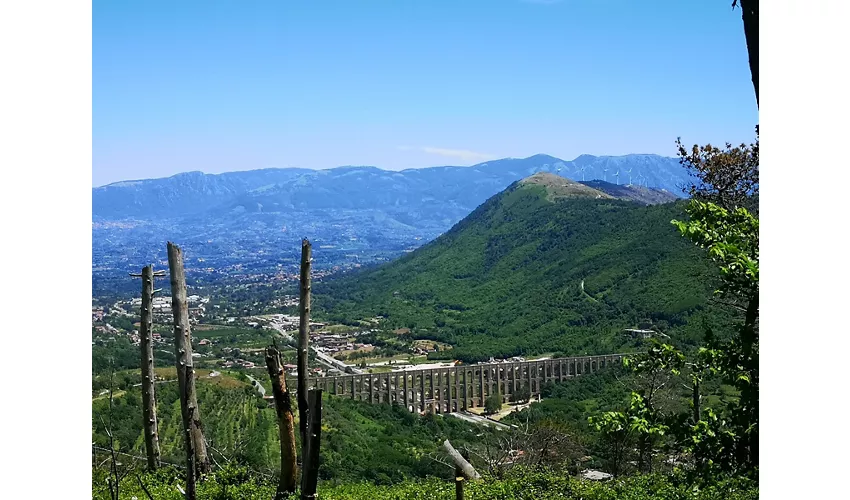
x=185 y=366
x=750 y=15
x=148 y=392
x=696 y=399
x=749 y=339
x=310 y=472
x=460 y=462
x=303 y=344
x=286 y=429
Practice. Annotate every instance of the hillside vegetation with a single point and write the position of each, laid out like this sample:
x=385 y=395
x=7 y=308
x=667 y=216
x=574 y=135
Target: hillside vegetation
x=540 y=268
x=360 y=441
x=521 y=484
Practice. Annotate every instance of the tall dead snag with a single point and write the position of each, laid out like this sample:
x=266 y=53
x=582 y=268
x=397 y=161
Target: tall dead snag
x=286 y=428
x=461 y=463
x=303 y=344
x=310 y=469
x=146 y=343
x=196 y=448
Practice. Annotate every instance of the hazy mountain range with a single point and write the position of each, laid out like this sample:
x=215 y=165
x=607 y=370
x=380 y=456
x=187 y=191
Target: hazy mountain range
x=443 y=192
x=255 y=219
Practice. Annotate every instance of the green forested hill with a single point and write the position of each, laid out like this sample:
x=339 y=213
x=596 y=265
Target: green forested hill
x=532 y=270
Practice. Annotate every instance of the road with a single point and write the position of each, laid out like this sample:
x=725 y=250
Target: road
x=477 y=419
x=258 y=385
x=322 y=357
x=336 y=363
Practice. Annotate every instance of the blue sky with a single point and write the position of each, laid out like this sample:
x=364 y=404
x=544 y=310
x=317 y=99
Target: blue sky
x=220 y=86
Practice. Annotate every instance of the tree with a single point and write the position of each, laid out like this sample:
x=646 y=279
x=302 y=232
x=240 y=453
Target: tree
x=493 y=404
x=727 y=177
x=732 y=241
x=521 y=394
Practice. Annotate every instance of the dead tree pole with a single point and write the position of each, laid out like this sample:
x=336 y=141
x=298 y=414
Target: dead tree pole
x=286 y=429
x=303 y=345
x=149 y=421
x=310 y=472
x=459 y=478
x=196 y=447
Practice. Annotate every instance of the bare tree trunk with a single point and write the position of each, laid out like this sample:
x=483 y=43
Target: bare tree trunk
x=460 y=462
x=750 y=15
x=303 y=344
x=185 y=367
x=286 y=428
x=310 y=472
x=148 y=392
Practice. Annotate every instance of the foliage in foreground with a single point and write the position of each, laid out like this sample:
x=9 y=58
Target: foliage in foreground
x=360 y=441
x=239 y=483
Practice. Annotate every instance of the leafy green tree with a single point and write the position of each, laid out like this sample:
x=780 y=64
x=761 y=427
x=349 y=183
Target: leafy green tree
x=732 y=241
x=617 y=437
x=493 y=404
x=521 y=394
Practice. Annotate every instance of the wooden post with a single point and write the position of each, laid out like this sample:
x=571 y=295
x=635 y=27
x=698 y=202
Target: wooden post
x=195 y=443
x=310 y=473
x=459 y=477
x=149 y=421
x=303 y=345
x=286 y=429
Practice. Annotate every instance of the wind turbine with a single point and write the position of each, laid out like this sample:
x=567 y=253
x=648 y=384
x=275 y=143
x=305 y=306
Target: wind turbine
x=582 y=172
x=605 y=174
x=629 y=171
x=617 y=175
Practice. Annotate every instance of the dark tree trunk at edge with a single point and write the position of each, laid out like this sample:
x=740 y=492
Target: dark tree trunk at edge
x=750 y=15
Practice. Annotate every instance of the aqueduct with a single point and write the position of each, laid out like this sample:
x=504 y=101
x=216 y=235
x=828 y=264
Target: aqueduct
x=456 y=388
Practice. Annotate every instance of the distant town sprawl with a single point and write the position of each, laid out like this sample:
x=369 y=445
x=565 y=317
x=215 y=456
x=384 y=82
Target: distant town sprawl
x=222 y=341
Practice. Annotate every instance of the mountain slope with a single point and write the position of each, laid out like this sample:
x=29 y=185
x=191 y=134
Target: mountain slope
x=530 y=271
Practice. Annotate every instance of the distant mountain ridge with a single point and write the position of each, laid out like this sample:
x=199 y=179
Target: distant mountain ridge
x=446 y=193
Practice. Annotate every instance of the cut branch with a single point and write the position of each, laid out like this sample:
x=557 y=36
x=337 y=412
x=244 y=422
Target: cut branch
x=468 y=470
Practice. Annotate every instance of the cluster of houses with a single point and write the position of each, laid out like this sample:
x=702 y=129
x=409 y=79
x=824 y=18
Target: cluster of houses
x=335 y=343
x=97 y=314
x=421 y=350
x=244 y=363
x=161 y=307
